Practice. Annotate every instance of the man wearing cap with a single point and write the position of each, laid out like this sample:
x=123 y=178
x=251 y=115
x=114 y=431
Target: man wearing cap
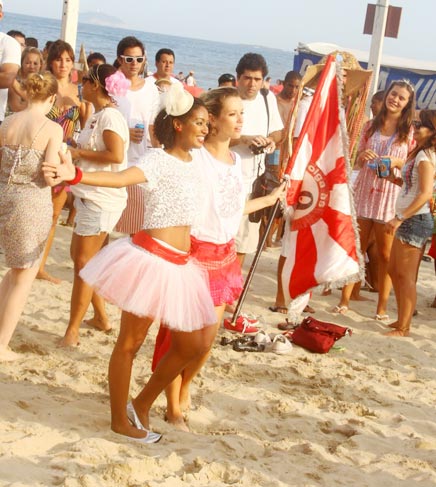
x=262 y=128
x=226 y=79
x=10 y=58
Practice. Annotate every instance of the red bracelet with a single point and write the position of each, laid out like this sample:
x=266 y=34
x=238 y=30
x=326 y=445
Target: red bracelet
x=77 y=177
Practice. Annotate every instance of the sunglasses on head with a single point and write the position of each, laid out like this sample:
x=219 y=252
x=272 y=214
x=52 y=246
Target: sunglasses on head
x=130 y=59
x=418 y=124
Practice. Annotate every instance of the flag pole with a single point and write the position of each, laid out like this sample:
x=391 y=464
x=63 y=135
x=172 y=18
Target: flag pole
x=255 y=261
x=286 y=178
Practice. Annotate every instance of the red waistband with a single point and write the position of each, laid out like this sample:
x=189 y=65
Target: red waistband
x=143 y=239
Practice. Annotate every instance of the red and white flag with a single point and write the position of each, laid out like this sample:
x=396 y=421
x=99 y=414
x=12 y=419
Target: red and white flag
x=324 y=242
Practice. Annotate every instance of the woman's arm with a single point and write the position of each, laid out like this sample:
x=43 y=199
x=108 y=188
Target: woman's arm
x=52 y=150
x=425 y=185
x=265 y=201
x=67 y=172
x=114 y=153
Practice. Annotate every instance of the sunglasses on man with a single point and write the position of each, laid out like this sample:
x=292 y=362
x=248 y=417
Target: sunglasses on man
x=130 y=59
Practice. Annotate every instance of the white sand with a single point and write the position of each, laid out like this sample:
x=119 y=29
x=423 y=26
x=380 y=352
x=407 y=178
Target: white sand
x=363 y=416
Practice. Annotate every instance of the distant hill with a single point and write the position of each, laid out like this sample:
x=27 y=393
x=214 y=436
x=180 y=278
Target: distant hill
x=99 y=18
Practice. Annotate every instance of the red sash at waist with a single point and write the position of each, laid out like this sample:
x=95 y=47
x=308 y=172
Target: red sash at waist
x=143 y=239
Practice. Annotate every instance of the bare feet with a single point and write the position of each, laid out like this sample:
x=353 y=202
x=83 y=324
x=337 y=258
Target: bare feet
x=45 y=276
x=99 y=324
x=393 y=325
x=397 y=333
x=69 y=340
x=178 y=422
x=326 y=292
x=7 y=355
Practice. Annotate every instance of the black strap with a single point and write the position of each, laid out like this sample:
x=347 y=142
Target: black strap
x=264 y=93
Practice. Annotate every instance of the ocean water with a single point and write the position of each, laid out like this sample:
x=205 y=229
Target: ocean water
x=207 y=58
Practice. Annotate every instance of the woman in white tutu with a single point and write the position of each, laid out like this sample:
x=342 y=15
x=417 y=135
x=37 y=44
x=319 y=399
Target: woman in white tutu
x=151 y=276
x=212 y=234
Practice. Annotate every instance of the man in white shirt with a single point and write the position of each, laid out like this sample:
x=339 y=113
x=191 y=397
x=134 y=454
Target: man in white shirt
x=10 y=60
x=139 y=106
x=164 y=62
x=262 y=128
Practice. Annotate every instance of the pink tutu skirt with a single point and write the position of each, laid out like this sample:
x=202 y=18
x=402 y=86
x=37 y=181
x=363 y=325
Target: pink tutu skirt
x=145 y=284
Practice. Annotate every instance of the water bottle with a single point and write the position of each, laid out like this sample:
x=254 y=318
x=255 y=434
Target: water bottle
x=140 y=126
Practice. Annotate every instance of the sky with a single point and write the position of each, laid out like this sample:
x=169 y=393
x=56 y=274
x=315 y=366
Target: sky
x=280 y=24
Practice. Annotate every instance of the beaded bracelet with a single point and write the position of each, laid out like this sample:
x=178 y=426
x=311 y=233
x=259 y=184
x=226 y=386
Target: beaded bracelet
x=77 y=177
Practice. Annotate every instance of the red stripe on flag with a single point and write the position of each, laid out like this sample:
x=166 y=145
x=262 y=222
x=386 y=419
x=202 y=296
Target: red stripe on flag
x=338 y=175
x=341 y=229
x=303 y=273
x=327 y=123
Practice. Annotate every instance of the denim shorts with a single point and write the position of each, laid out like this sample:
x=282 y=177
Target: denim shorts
x=416 y=230
x=92 y=220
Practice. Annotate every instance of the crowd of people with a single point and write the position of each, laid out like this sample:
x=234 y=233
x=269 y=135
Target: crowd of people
x=142 y=155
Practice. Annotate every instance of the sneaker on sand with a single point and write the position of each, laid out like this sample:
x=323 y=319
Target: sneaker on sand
x=281 y=345
x=242 y=325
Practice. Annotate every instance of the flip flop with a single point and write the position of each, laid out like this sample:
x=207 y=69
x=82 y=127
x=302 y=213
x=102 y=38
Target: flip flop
x=378 y=317
x=279 y=309
x=288 y=325
x=340 y=309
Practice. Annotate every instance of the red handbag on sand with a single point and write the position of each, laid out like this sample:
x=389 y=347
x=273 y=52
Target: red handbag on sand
x=317 y=336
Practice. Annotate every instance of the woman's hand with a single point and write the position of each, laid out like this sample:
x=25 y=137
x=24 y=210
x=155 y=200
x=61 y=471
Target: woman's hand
x=392 y=225
x=395 y=162
x=75 y=156
x=57 y=173
x=366 y=156
x=278 y=193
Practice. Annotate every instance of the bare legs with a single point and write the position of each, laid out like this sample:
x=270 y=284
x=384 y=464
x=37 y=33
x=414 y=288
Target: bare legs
x=384 y=244
x=178 y=395
x=280 y=297
x=185 y=348
x=82 y=250
x=14 y=291
x=58 y=198
x=133 y=331
x=403 y=266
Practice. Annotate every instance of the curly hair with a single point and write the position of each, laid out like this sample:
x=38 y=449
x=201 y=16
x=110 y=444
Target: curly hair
x=164 y=124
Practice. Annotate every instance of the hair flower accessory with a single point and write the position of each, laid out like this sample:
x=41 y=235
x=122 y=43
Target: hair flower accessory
x=177 y=100
x=117 y=84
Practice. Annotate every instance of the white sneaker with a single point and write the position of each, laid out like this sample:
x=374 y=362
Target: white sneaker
x=281 y=345
x=262 y=337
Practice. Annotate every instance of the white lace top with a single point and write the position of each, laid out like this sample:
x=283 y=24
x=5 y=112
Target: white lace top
x=173 y=191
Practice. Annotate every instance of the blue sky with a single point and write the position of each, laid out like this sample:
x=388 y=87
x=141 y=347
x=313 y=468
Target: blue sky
x=280 y=24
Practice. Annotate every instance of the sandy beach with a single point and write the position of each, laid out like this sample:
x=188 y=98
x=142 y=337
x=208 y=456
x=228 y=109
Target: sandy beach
x=363 y=415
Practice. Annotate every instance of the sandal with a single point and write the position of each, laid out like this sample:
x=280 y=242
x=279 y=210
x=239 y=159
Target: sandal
x=244 y=346
x=288 y=325
x=384 y=317
x=279 y=309
x=340 y=309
